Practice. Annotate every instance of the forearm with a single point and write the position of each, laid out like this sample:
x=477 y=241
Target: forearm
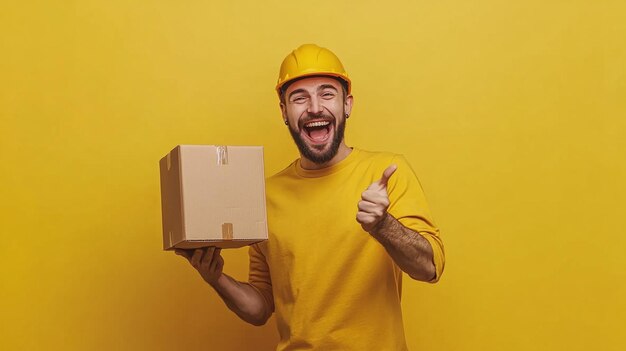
x=243 y=299
x=408 y=249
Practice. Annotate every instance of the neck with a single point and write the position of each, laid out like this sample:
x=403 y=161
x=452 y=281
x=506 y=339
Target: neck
x=342 y=153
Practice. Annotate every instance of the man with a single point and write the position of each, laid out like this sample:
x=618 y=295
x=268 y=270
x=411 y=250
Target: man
x=343 y=225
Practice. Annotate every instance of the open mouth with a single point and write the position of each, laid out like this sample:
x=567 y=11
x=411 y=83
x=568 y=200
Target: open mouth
x=318 y=131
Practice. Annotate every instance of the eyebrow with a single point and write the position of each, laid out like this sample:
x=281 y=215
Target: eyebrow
x=326 y=86
x=296 y=92
x=320 y=88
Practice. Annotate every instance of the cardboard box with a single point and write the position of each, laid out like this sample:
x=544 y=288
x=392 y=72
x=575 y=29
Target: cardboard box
x=213 y=196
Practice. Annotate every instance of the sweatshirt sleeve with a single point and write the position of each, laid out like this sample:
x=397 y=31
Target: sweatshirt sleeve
x=409 y=207
x=259 y=273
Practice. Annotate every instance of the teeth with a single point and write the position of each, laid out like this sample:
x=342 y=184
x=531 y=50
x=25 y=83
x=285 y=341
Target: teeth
x=317 y=124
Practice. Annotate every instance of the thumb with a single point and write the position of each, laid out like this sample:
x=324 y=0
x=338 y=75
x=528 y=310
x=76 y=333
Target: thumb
x=182 y=252
x=386 y=175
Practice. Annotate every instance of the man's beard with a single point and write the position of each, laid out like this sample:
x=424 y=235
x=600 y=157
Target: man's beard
x=320 y=158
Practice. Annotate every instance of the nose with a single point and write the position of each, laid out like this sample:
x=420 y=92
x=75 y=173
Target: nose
x=315 y=105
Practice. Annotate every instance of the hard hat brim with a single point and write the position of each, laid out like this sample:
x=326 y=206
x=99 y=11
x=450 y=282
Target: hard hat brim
x=291 y=80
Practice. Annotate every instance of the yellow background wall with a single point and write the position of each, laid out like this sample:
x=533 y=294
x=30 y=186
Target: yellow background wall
x=512 y=114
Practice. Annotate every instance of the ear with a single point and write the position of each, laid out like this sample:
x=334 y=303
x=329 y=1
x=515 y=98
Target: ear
x=347 y=104
x=283 y=110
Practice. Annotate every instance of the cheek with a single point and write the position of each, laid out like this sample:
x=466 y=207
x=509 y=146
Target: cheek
x=337 y=108
x=293 y=115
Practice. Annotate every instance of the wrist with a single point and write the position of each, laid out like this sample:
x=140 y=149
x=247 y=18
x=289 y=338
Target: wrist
x=381 y=225
x=218 y=282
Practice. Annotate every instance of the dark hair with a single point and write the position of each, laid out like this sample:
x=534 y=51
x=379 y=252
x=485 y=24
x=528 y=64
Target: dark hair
x=343 y=83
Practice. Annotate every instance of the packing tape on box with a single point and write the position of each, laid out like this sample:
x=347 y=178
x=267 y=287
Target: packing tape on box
x=227 y=231
x=222 y=159
x=171 y=240
x=222 y=154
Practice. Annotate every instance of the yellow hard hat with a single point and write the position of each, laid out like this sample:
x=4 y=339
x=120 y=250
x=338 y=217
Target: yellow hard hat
x=311 y=60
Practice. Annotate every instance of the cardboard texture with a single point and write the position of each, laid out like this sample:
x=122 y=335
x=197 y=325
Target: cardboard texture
x=213 y=196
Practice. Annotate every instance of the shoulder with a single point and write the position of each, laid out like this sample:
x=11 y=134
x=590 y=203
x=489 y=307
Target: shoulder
x=381 y=158
x=281 y=176
x=404 y=177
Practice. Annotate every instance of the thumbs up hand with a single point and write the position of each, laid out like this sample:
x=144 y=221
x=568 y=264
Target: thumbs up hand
x=375 y=202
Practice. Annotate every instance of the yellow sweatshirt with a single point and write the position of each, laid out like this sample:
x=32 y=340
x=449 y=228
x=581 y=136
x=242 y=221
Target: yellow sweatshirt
x=334 y=287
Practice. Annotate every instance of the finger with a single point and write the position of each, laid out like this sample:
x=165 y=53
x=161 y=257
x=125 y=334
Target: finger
x=215 y=254
x=208 y=257
x=387 y=174
x=377 y=211
x=375 y=197
x=197 y=257
x=216 y=259
x=365 y=218
x=369 y=207
x=182 y=252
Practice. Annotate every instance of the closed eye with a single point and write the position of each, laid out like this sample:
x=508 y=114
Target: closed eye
x=298 y=99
